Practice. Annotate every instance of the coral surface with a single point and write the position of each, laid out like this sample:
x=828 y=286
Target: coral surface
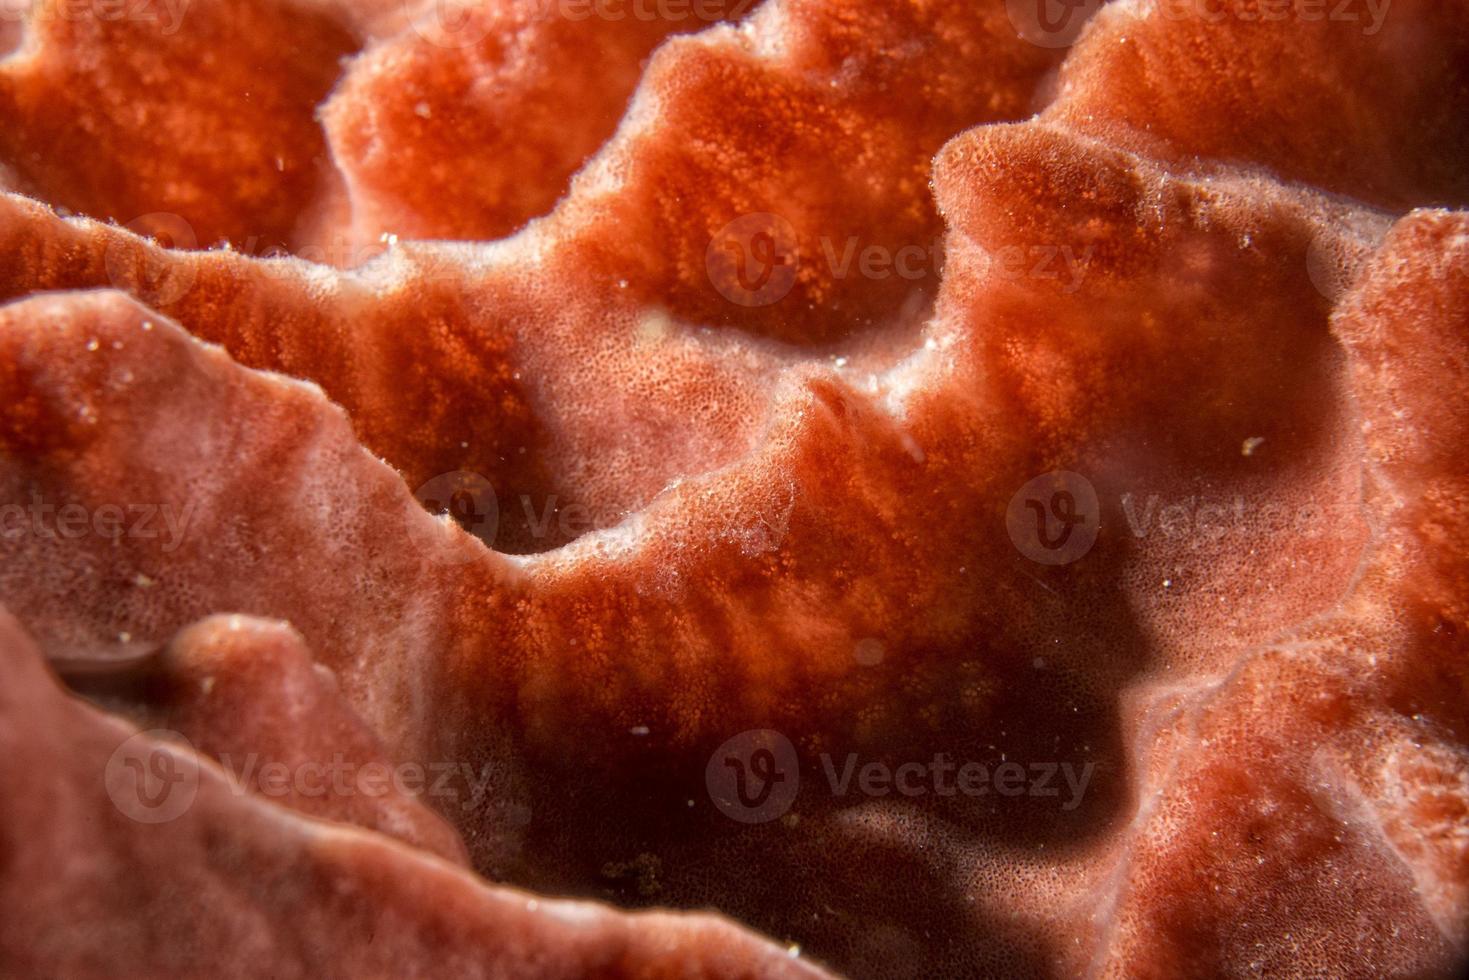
x=900 y=488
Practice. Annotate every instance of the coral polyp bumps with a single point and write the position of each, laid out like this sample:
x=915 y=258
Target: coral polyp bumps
x=638 y=465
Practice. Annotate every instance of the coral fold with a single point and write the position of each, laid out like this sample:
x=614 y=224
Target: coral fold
x=397 y=453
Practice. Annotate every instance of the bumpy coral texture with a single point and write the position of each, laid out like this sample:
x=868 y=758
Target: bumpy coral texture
x=1205 y=259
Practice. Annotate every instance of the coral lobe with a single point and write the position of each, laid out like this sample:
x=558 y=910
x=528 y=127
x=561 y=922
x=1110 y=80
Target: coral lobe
x=1214 y=284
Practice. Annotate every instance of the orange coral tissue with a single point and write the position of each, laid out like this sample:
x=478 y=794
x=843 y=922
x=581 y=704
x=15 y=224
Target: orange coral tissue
x=698 y=488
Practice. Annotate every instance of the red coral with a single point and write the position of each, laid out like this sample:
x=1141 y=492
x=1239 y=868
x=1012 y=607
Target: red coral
x=1046 y=540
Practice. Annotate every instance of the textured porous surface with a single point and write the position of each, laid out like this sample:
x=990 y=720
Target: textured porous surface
x=523 y=490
